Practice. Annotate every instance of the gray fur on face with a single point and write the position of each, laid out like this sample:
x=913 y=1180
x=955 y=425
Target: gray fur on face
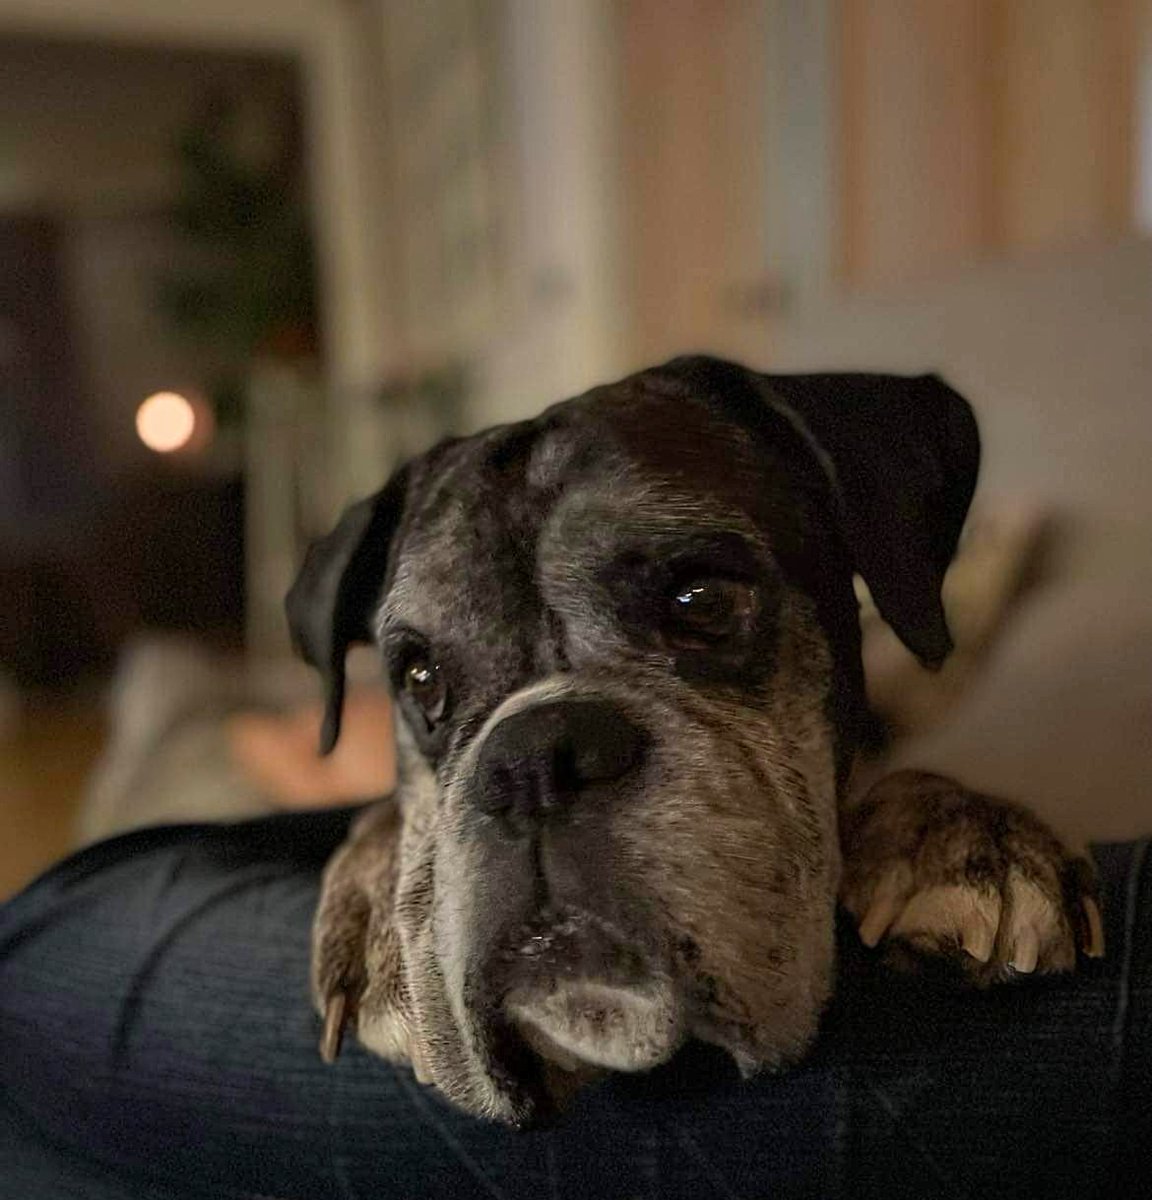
x=713 y=872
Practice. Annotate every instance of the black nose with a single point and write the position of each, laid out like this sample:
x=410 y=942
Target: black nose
x=543 y=758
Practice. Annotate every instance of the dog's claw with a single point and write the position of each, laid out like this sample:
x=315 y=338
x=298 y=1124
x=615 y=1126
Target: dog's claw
x=335 y=1019
x=978 y=937
x=1094 y=941
x=887 y=901
x=419 y=1062
x=1025 y=951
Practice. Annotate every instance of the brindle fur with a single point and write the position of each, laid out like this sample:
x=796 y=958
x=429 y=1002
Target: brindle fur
x=977 y=866
x=518 y=554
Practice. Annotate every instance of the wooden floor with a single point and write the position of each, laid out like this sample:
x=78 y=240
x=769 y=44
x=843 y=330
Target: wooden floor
x=46 y=752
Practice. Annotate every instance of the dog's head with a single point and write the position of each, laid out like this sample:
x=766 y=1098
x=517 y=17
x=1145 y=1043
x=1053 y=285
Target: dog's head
x=623 y=638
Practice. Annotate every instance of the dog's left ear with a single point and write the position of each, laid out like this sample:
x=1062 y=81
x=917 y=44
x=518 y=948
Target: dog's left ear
x=901 y=454
x=330 y=605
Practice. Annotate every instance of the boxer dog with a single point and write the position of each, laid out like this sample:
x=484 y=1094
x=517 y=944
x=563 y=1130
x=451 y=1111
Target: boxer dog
x=624 y=644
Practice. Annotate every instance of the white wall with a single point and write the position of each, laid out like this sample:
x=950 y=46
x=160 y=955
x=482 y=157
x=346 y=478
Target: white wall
x=222 y=24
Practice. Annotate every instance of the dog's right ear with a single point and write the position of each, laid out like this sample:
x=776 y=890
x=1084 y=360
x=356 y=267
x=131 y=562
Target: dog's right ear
x=331 y=603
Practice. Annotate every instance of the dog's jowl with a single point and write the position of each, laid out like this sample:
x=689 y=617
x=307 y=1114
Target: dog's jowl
x=623 y=639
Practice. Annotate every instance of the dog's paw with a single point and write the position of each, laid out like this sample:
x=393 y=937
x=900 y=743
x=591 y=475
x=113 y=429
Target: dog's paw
x=357 y=968
x=934 y=871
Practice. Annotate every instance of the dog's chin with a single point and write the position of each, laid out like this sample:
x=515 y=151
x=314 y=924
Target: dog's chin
x=586 y=1023
x=582 y=997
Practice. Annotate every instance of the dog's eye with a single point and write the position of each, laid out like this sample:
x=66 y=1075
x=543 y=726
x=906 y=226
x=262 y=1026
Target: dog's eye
x=424 y=682
x=706 y=612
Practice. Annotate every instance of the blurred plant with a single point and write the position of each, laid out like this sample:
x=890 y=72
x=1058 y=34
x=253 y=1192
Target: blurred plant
x=247 y=288
x=440 y=393
x=419 y=407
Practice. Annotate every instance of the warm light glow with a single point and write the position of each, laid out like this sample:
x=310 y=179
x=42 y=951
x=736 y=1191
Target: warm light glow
x=166 y=422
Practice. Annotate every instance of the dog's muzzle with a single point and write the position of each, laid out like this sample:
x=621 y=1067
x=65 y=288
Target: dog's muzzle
x=556 y=954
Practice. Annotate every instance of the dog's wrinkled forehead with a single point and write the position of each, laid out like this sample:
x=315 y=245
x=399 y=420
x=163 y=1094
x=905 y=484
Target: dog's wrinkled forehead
x=464 y=556
x=496 y=518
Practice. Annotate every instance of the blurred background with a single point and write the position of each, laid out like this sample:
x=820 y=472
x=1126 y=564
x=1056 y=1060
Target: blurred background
x=255 y=253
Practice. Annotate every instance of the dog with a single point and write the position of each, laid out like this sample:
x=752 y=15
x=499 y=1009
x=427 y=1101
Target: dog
x=624 y=643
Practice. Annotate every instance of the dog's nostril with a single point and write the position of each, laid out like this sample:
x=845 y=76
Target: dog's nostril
x=605 y=754
x=566 y=774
